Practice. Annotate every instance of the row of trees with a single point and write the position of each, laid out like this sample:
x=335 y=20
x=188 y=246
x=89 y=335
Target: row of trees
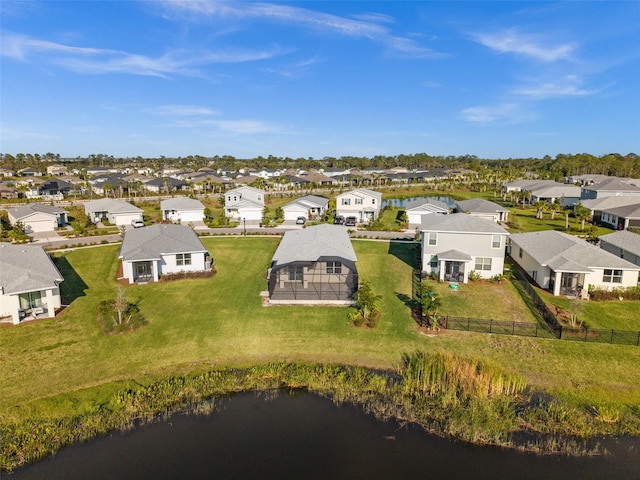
x=563 y=165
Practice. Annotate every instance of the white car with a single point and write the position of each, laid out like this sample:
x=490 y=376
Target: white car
x=137 y=223
x=301 y=220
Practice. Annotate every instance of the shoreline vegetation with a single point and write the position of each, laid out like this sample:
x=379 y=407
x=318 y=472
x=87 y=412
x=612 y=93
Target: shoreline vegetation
x=447 y=395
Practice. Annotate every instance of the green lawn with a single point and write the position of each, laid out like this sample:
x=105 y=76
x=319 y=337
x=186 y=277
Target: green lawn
x=613 y=314
x=66 y=364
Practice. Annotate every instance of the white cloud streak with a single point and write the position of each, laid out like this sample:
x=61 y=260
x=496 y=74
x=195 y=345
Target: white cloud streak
x=510 y=41
x=568 y=86
x=365 y=27
x=504 y=112
x=102 y=61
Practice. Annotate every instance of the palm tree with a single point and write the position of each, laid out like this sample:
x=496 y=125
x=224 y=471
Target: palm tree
x=539 y=205
x=554 y=208
x=582 y=213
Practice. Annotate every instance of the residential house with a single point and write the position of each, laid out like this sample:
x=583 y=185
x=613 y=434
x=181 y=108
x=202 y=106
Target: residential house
x=116 y=212
x=362 y=203
x=597 y=205
x=147 y=253
x=309 y=206
x=416 y=209
x=57 y=170
x=623 y=244
x=526 y=185
x=4 y=172
x=29 y=283
x=484 y=209
x=611 y=187
x=36 y=217
x=182 y=210
x=95 y=170
x=318 y=178
x=7 y=191
x=336 y=172
x=314 y=265
x=30 y=172
x=621 y=217
x=166 y=185
x=454 y=245
x=244 y=203
x=561 y=193
x=567 y=265
x=50 y=190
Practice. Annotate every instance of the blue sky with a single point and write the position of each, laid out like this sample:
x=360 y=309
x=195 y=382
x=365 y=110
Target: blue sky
x=314 y=79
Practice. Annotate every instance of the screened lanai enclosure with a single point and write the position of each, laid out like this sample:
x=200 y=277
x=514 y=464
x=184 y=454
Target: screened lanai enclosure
x=324 y=280
x=314 y=265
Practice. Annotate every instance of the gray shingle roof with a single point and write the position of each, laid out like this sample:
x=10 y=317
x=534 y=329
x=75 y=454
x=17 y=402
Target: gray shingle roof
x=624 y=239
x=480 y=205
x=148 y=243
x=26 y=268
x=111 y=205
x=31 y=208
x=312 y=243
x=563 y=252
x=310 y=201
x=454 y=255
x=181 y=203
x=627 y=211
x=425 y=205
x=460 y=223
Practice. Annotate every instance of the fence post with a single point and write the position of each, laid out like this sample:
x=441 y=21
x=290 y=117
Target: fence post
x=611 y=341
x=586 y=332
x=513 y=328
x=490 y=325
x=468 y=324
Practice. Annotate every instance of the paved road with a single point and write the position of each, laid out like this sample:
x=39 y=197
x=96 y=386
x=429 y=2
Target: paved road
x=52 y=239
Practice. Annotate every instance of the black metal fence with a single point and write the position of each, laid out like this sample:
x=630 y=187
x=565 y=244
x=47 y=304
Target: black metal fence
x=480 y=325
x=550 y=328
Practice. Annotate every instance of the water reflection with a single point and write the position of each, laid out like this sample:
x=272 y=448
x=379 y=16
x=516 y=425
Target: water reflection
x=402 y=202
x=303 y=436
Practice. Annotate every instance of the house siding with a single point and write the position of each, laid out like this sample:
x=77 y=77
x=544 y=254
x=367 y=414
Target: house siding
x=476 y=245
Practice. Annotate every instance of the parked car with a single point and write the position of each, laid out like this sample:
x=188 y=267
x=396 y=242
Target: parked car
x=351 y=221
x=338 y=220
x=301 y=220
x=137 y=223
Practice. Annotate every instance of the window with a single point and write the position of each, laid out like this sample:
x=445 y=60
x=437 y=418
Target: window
x=183 y=259
x=433 y=263
x=346 y=201
x=30 y=300
x=358 y=201
x=520 y=252
x=334 y=267
x=496 y=241
x=296 y=273
x=483 y=263
x=433 y=239
x=612 y=276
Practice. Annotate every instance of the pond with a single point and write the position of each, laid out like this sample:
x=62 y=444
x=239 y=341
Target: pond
x=299 y=435
x=402 y=202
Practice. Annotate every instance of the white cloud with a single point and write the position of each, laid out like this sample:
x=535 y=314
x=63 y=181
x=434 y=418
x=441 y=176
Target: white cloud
x=101 y=61
x=183 y=110
x=362 y=27
x=504 y=112
x=568 y=86
x=510 y=41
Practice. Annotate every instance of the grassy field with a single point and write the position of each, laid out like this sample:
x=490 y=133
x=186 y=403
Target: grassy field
x=66 y=364
x=614 y=314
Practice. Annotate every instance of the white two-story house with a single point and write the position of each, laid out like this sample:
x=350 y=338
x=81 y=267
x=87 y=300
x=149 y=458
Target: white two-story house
x=452 y=246
x=362 y=203
x=244 y=203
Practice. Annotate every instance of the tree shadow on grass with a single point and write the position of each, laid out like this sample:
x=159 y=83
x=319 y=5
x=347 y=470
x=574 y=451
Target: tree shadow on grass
x=408 y=252
x=73 y=286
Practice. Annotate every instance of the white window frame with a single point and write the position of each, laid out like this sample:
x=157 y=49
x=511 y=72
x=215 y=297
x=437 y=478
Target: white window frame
x=432 y=239
x=334 y=267
x=483 y=264
x=183 y=259
x=611 y=275
x=493 y=241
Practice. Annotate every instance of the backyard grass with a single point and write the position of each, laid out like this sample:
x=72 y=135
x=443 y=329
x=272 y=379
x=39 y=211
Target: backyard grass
x=65 y=365
x=612 y=314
